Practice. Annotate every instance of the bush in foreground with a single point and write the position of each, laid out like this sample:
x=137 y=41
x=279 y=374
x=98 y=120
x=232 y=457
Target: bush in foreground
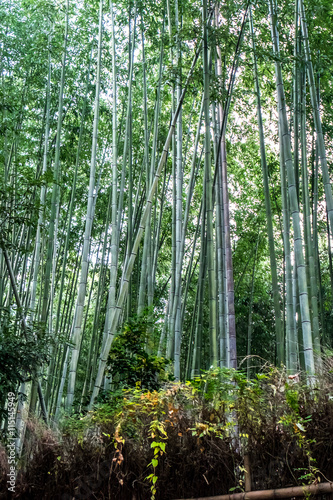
x=187 y=440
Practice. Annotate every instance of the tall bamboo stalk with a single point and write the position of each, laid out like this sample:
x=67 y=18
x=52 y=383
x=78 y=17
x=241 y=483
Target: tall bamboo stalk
x=298 y=240
x=316 y=116
x=222 y=165
x=56 y=177
x=130 y=264
x=269 y=221
x=249 y=326
x=209 y=198
x=307 y=233
x=77 y=326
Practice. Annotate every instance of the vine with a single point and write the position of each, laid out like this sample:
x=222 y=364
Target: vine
x=157 y=431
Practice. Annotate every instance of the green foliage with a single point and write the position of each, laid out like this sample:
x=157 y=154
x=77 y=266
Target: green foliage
x=130 y=363
x=279 y=422
x=157 y=431
x=216 y=385
x=19 y=358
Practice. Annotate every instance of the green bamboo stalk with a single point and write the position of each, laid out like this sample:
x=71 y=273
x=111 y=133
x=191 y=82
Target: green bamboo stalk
x=131 y=47
x=290 y=285
x=69 y=223
x=249 y=328
x=159 y=224
x=221 y=277
x=61 y=368
x=316 y=115
x=129 y=268
x=77 y=326
x=146 y=261
x=296 y=96
x=189 y=278
x=220 y=249
x=315 y=237
x=157 y=227
x=114 y=216
x=97 y=310
x=170 y=339
x=117 y=209
x=23 y=320
x=307 y=234
x=222 y=164
x=56 y=177
x=178 y=271
x=53 y=379
x=197 y=348
x=42 y=192
x=269 y=221
x=298 y=240
x=177 y=299
x=209 y=199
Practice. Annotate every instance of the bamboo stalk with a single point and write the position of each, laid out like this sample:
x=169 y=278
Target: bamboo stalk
x=177 y=301
x=114 y=217
x=23 y=321
x=78 y=316
x=56 y=176
x=316 y=116
x=269 y=217
x=130 y=264
x=294 y=491
x=209 y=198
x=247 y=466
x=285 y=146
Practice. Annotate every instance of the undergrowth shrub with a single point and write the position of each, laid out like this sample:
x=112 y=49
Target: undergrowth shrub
x=130 y=364
x=19 y=357
x=188 y=440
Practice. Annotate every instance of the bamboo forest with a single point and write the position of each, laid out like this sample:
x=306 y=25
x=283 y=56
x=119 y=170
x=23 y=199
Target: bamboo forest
x=166 y=269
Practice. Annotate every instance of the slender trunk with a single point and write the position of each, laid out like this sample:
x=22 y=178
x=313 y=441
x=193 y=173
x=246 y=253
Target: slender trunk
x=249 y=328
x=316 y=116
x=222 y=164
x=69 y=225
x=56 y=178
x=290 y=285
x=78 y=316
x=298 y=240
x=307 y=234
x=269 y=219
x=130 y=264
x=116 y=209
x=196 y=359
x=209 y=200
x=23 y=320
x=145 y=261
x=42 y=195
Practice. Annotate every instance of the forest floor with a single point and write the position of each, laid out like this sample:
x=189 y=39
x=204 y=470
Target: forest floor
x=183 y=440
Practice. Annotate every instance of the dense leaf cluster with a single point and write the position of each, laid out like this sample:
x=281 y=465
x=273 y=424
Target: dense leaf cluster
x=20 y=357
x=130 y=364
